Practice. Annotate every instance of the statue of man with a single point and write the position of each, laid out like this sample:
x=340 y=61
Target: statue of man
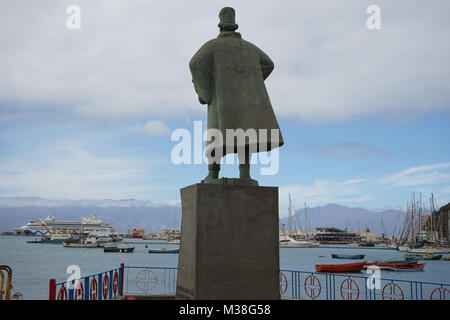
x=228 y=75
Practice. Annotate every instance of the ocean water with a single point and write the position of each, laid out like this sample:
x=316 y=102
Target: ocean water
x=34 y=264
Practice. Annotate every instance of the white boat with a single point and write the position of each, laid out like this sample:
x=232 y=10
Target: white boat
x=89 y=242
x=56 y=237
x=429 y=250
x=403 y=248
x=91 y=224
x=287 y=242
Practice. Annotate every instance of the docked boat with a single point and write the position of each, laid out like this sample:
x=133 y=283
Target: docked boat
x=287 y=242
x=56 y=238
x=164 y=250
x=423 y=257
x=402 y=267
x=119 y=249
x=341 y=268
x=82 y=245
x=35 y=241
x=391 y=262
x=367 y=244
x=382 y=264
x=348 y=256
x=429 y=250
x=446 y=258
x=81 y=242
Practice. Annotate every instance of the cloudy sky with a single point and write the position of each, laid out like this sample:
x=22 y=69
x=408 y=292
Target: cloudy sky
x=88 y=113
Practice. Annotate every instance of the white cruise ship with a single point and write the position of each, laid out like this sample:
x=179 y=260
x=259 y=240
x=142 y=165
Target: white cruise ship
x=91 y=224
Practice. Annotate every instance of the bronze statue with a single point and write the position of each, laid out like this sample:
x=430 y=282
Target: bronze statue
x=228 y=75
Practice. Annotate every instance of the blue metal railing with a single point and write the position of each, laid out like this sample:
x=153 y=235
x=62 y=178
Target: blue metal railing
x=150 y=280
x=294 y=284
x=100 y=286
x=331 y=286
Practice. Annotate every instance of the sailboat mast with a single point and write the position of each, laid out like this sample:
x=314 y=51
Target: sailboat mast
x=431 y=218
x=290 y=215
x=306 y=226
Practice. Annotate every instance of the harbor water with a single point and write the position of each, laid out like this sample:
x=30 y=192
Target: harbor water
x=34 y=264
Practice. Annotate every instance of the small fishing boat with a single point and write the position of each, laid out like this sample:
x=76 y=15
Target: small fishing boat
x=119 y=249
x=429 y=250
x=446 y=258
x=35 y=241
x=367 y=244
x=346 y=267
x=423 y=257
x=164 y=250
x=382 y=263
x=348 y=256
x=412 y=267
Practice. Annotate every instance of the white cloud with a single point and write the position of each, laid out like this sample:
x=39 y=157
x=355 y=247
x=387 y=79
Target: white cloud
x=130 y=59
x=445 y=190
x=6 y=202
x=349 y=150
x=325 y=191
x=423 y=179
x=67 y=170
x=154 y=128
x=420 y=175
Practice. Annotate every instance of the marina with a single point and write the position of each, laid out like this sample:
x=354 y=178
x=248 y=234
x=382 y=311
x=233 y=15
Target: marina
x=54 y=260
x=60 y=244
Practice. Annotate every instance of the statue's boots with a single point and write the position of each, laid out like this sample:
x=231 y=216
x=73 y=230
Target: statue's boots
x=213 y=173
x=244 y=171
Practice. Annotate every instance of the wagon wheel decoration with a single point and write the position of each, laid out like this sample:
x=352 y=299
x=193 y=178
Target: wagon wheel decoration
x=349 y=290
x=312 y=287
x=93 y=293
x=440 y=294
x=115 y=284
x=283 y=283
x=146 y=280
x=392 y=291
x=79 y=292
x=105 y=286
x=62 y=293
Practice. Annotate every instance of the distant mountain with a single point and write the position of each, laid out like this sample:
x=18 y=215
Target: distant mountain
x=153 y=217
x=342 y=217
x=120 y=214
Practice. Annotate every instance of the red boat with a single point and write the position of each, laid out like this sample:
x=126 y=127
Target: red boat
x=346 y=267
x=400 y=263
x=411 y=267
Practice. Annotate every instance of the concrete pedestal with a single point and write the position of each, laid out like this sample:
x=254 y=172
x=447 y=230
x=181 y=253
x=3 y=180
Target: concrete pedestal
x=229 y=243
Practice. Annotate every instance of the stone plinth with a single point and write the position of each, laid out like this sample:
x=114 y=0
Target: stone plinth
x=229 y=243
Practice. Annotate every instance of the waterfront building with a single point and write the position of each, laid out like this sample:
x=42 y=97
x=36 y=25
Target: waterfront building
x=335 y=235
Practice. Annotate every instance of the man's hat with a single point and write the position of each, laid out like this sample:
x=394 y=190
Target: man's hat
x=226 y=16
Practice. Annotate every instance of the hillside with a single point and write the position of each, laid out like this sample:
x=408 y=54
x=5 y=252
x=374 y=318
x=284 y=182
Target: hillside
x=153 y=217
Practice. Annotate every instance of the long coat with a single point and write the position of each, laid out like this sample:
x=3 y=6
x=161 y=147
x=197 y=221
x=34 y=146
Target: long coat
x=228 y=74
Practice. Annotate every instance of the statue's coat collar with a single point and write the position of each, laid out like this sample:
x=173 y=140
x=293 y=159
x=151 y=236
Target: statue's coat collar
x=229 y=34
